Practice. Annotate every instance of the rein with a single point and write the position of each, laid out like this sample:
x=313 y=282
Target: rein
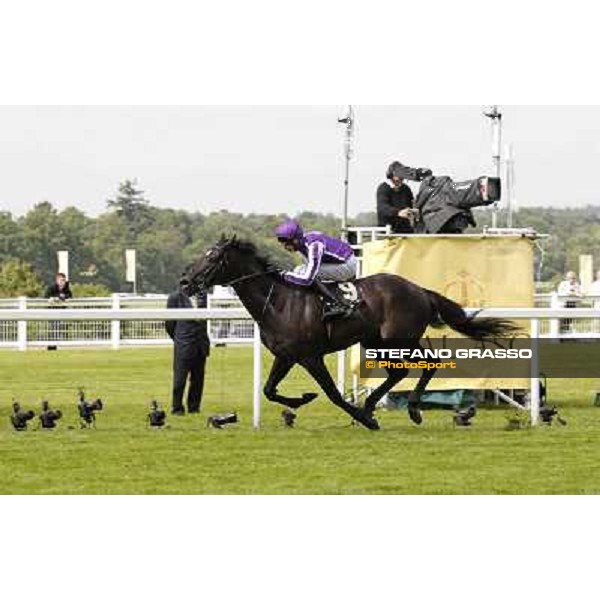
x=251 y=276
x=254 y=276
x=264 y=309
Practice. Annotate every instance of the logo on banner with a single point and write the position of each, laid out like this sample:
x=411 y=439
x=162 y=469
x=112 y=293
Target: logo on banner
x=466 y=289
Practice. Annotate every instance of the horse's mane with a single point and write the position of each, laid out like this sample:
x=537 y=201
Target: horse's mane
x=249 y=249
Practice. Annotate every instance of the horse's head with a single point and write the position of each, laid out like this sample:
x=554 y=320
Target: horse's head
x=214 y=267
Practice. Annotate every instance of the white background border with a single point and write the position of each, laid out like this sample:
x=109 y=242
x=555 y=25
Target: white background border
x=298 y=53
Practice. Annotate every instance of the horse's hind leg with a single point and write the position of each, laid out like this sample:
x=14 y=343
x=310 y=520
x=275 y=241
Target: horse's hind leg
x=281 y=367
x=394 y=377
x=316 y=367
x=414 y=398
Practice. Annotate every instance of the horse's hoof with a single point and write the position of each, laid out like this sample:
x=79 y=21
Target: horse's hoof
x=415 y=414
x=372 y=424
x=288 y=417
x=309 y=397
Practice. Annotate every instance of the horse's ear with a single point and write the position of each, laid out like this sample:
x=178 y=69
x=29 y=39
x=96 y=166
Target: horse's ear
x=223 y=238
x=234 y=238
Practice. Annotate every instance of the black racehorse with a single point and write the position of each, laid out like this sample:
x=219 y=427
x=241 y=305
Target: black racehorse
x=292 y=328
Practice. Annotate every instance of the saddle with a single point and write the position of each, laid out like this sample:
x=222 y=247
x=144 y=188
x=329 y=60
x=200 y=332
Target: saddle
x=340 y=298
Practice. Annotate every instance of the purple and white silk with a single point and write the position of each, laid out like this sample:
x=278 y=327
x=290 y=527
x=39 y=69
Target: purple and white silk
x=326 y=257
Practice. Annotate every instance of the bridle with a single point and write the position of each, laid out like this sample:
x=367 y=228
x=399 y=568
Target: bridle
x=203 y=286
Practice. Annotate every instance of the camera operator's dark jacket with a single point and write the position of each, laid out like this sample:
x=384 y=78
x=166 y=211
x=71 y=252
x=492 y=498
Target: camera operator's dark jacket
x=391 y=200
x=53 y=291
x=444 y=206
x=188 y=336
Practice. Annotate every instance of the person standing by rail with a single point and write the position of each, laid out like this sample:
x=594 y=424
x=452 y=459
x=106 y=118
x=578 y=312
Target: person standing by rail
x=57 y=294
x=191 y=349
x=569 y=294
x=60 y=289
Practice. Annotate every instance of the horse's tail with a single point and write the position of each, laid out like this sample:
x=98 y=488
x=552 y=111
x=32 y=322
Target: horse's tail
x=452 y=314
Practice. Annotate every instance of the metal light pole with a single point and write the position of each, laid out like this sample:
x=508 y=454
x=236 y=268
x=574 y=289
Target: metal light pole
x=496 y=118
x=509 y=162
x=349 y=121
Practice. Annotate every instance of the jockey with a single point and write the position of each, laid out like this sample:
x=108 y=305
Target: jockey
x=326 y=259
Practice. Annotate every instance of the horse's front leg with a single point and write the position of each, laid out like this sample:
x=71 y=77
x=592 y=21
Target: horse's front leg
x=316 y=367
x=394 y=378
x=281 y=367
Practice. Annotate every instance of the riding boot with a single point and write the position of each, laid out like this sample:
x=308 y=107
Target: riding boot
x=336 y=305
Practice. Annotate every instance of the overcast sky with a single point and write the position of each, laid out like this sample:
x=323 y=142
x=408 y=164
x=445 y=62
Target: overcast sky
x=281 y=158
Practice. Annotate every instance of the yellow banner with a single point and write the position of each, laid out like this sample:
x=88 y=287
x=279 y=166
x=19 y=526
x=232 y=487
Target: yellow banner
x=476 y=272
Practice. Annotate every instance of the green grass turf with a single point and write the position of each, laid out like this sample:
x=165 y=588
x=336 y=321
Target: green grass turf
x=322 y=455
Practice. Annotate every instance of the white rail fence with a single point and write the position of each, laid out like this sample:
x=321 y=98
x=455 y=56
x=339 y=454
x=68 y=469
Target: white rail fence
x=116 y=317
x=115 y=334
x=89 y=331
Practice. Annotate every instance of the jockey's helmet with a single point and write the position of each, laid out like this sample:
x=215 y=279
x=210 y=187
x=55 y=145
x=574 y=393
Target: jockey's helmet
x=290 y=230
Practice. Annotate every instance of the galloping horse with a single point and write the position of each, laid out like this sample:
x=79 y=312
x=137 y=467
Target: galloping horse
x=291 y=325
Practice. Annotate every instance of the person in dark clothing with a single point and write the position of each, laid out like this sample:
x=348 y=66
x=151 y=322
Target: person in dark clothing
x=191 y=349
x=57 y=294
x=395 y=201
x=60 y=289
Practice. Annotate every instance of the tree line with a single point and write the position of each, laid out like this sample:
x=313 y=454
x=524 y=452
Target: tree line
x=167 y=240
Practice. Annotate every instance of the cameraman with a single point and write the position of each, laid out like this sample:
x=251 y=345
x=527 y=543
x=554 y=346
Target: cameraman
x=395 y=201
x=191 y=349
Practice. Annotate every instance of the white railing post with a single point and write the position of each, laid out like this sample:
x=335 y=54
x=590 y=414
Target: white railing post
x=115 y=326
x=257 y=377
x=555 y=323
x=534 y=405
x=22 y=327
